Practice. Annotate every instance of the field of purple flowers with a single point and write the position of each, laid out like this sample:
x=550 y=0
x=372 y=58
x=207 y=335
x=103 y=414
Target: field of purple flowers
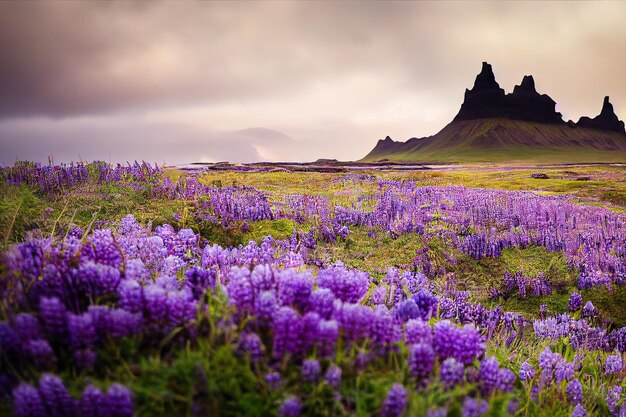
x=134 y=291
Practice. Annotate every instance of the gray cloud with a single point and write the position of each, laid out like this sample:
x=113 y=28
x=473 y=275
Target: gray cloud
x=333 y=76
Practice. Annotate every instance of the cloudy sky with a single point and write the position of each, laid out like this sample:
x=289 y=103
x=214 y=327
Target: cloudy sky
x=243 y=81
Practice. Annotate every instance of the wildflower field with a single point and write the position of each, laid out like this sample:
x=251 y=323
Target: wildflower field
x=136 y=290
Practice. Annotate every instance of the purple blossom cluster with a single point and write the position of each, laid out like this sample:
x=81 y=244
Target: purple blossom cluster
x=61 y=178
x=52 y=399
x=539 y=286
x=66 y=298
x=479 y=222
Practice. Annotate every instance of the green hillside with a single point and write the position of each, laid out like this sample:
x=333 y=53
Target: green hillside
x=505 y=140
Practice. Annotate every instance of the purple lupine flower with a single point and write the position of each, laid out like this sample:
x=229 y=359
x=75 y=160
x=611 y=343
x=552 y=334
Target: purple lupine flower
x=290 y=407
x=103 y=249
x=26 y=327
x=406 y=310
x=526 y=371
x=81 y=329
x=612 y=399
x=294 y=288
x=354 y=319
x=548 y=362
x=53 y=315
x=265 y=305
x=510 y=338
x=97 y=279
x=322 y=300
x=27 y=402
x=613 y=364
x=417 y=331
x=328 y=332
x=400 y=295
x=564 y=371
x=383 y=329
x=379 y=295
x=451 y=372
x=199 y=280
x=574 y=391
x=122 y=323
x=579 y=411
x=506 y=379
x=489 y=375
x=589 y=311
x=155 y=303
x=119 y=401
x=427 y=304
x=421 y=360
x=534 y=393
x=447 y=308
x=55 y=396
x=575 y=301
x=462 y=343
x=9 y=339
x=287 y=327
x=172 y=265
x=311 y=370
x=92 y=403
x=310 y=328
x=273 y=379
x=129 y=225
x=181 y=307
x=396 y=401
x=333 y=376
x=347 y=285
x=250 y=343
x=239 y=288
x=131 y=296
x=40 y=352
x=262 y=278
x=473 y=407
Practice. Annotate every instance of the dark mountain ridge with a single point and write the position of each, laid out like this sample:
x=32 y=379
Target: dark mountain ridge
x=487 y=99
x=524 y=124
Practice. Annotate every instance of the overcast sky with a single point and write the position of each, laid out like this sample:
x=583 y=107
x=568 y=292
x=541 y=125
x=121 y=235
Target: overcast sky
x=204 y=81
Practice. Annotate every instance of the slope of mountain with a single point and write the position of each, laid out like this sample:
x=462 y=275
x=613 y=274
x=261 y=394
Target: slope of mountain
x=492 y=126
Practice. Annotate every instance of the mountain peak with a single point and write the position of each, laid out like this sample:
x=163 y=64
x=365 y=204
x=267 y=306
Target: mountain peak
x=606 y=120
x=487 y=99
x=528 y=84
x=486 y=80
x=607 y=107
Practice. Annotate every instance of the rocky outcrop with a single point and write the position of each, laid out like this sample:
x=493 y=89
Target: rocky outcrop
x=525 y=103
x=486 y=99
x=607 y=119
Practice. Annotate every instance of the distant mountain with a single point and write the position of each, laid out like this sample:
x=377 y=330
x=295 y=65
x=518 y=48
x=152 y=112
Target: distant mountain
x=270 y=135
x=523 y=125
x=606 y=120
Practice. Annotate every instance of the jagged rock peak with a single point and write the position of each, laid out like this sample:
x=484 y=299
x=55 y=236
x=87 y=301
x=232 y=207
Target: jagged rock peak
x=527 y=85
x=486 y=80
x=487 y=99
x=606 y=120
x=607 y=107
